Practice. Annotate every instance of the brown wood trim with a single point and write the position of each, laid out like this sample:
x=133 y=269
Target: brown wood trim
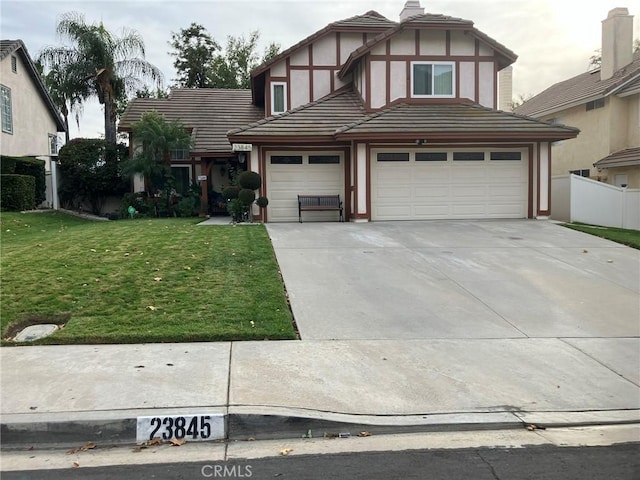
x=476 y=73
x=355 y=179
x=367 y=84
x=530 y=193
x=310 y=50
x=409 y=92
x=314 y=67
x=267 y=93
x=448 y=43
x=477 y=49
x=289 y=83
x=457 y=64
x=368 y=182
x=347 y=183
x=338 y=62
x=538 y=178
x=387 y=83
x=317 y=148
x=548 y=211
x=427 y=58
x=278 y=79
x=417 y=35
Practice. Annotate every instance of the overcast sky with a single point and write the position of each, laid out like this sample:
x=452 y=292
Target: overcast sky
x=552 y=38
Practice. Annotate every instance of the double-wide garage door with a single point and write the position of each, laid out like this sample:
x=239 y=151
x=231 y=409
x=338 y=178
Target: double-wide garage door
x=290 y=175
x=441 y=184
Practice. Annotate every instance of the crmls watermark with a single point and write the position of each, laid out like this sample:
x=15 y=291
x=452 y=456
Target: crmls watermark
x=226 y=471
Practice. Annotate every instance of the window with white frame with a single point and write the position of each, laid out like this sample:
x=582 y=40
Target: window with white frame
x=432 y=79
x=53 y=145
x=5 y=109
x=278 y=98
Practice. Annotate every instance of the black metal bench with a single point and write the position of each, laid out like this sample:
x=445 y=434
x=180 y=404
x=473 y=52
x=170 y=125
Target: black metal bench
x=319 y=202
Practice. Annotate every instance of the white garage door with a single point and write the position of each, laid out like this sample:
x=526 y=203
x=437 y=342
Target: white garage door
x=290 y=175
x=438 y=184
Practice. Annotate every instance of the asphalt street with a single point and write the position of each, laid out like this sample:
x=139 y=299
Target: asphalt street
x=620 y=462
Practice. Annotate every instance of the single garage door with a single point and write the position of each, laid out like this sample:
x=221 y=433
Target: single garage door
x=290 y=175
x=439 y=184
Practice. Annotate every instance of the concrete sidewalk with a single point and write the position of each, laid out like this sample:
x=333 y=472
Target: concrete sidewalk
x=76 y=394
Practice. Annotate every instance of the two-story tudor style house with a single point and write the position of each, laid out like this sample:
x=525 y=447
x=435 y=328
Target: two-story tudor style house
x=399 y=119
x=30 y=120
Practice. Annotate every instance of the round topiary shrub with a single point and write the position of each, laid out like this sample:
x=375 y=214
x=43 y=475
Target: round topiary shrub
x=246 y=196
x=249 y=180
x=230 y=193
x=262 y=202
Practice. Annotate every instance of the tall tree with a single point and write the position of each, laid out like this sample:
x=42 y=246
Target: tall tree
x=194 y=51
x=233 y=70
x=68 y=90
x=111 y=64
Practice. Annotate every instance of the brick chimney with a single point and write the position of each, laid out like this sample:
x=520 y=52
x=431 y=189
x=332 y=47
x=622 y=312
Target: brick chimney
x=411 y=8
x=617 y=42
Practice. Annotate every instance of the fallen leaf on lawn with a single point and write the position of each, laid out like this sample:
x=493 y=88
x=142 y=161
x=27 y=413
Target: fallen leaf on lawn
x=157 y=279
x=75 y=464
x=286 y=451
x=364 y=434
x=152 y=308
x=176 y=442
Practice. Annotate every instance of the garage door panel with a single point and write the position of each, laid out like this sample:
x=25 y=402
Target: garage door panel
x=286 y=182
x=453 y=189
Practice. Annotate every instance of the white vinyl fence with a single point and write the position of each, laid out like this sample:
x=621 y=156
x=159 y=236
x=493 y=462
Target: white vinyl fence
x=579 y=199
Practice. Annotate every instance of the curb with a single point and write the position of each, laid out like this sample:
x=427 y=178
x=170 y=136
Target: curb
x=268 y=423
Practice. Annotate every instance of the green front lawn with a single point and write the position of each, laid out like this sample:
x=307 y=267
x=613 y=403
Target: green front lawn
x=147 y=280
x=630 y=238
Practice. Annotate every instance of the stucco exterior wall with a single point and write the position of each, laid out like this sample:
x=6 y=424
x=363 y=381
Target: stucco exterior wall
x=32 y=121
x=603 y=131
x=591 y=145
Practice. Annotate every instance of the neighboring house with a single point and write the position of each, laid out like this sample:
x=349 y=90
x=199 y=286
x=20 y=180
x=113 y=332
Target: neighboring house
x=399 y=119
x=605 y=105
x=30 y=120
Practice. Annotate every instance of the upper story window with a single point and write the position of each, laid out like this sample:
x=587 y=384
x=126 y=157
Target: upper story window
x=14 y=64
x=53 y=145
x=599 y=103
x=5 y=109
x=432 y=79
x=278 y=98
x=179 y=154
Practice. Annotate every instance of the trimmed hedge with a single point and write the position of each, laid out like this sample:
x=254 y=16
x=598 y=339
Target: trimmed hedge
x=17 y=192
x=27 y=166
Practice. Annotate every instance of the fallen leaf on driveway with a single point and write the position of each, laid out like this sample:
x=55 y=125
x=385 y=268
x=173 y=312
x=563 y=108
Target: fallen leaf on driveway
x=364 y=434
x=75 y=464
x=533 y=427
x=176 y=442
x=83 y=448
x=286 y=451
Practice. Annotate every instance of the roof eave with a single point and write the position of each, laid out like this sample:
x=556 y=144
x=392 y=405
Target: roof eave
x=561 y=107
x=621 y=163
x=460 y=136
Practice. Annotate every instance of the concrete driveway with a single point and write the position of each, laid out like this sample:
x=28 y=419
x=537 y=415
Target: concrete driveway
x=456 y=279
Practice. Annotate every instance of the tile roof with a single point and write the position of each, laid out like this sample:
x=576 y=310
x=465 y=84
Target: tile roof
x=342 y=116
x=370 y=21
x=579 y=89
x=623 y=158
x=8 y=47
x=453 y=121
x=210 y=112
x=426 y=21
x=320 y=118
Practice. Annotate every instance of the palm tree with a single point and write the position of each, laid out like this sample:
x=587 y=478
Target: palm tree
x=111 y=65
x=68 y=90
x=154 y=138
